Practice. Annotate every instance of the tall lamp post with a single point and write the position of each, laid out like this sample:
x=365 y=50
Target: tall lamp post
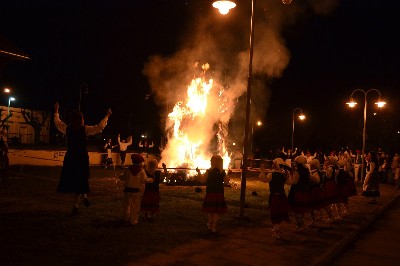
x=224 y=6
x=352 y=104
x=301 y=117
x=259 y=124
x=10 y=99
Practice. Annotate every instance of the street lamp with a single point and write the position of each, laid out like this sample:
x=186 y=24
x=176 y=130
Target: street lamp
x=352 y=104
x=10 y=99
x=301 y=116
x=222 y=7
x=257 y=123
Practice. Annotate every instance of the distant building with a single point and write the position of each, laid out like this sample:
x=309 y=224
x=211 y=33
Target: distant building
x=20 y=130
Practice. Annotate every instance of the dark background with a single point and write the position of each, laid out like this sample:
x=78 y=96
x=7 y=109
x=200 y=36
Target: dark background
x=105 y=44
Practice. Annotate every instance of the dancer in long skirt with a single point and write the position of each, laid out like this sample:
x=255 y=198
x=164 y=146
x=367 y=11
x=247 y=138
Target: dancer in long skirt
x=317 y=193
x=75 y=171
x=346 y=186
x=214 y=203
x=300 y=192
x=330 y=186
x=278 y=202
x=150 y=204
x=371 y=182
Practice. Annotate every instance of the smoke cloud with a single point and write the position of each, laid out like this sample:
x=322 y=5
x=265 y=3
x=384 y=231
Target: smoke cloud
x=225 y=48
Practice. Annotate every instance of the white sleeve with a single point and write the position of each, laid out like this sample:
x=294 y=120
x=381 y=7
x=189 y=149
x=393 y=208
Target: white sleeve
x=92 y=130
x=60 y=125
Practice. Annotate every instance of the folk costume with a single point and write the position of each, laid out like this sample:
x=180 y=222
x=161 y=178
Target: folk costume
x=150 y=204
x=300 y=192
x=123 y=146
x=316 y=183
x=214 y=201
x=75 y=170
x=371 y=182
x=134 y=183
x=278 y=201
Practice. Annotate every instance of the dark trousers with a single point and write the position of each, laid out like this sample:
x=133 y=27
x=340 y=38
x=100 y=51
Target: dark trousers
x=123 y=156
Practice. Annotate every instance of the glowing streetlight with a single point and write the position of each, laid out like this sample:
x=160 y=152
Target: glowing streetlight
x=222 y=7
x=10 y=99
x=257 y=123
x=352 y=104
x=301 y=116
x=7 y=90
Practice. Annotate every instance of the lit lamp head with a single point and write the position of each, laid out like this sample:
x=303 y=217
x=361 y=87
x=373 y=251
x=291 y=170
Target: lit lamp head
x=302 y=117
x=224 y=6
x=351 y=103
x=380 y=103
x=7 y=90
x=286 y=2
x=12 y=99
x=259 y=123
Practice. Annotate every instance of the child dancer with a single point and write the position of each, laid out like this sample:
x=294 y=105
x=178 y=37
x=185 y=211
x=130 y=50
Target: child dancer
x=278 y=202
x=300 y=192
x=135 y=180
x=214 y=202
x=150 y=204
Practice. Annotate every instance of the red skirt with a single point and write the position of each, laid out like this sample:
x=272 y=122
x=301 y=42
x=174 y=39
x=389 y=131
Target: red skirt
x=278 y=208
x=302 y=202
x=330 y=192
x=150 y=201
x=317 y=198
x=350 y=188
x=214 y=203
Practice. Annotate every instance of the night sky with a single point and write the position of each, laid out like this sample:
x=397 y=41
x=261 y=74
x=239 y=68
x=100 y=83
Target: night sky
x=333 y=47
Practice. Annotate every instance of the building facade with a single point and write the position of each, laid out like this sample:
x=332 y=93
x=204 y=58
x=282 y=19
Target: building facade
x=17 y=129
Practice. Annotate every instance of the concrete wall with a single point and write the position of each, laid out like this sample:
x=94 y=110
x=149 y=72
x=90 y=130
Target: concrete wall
x=56 y=158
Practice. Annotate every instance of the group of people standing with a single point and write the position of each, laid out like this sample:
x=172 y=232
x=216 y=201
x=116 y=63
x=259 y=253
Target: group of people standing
x=141 y=189
x=141 y=181
x=316 y=189
x=141 y=184
x=123 y=146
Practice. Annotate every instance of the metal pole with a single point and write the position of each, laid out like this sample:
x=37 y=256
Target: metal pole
x=292 y=130
x=252 y=136
x=365 y=126
x=247 y=121
x=363 y=144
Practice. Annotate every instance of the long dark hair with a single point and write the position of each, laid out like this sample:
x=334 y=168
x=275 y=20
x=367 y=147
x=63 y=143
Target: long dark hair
x=76 y=119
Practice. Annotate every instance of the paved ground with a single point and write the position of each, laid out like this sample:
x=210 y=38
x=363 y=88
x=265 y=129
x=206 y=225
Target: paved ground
x=318 y=245
x=379 y=245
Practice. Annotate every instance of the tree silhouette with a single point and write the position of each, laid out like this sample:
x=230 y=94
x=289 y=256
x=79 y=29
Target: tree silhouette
x=3 y=121
x=35 y=121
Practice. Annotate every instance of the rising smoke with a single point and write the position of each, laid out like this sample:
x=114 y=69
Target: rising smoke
x=225 y=48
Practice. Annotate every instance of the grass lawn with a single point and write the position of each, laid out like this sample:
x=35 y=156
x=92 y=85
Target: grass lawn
x=37 y=228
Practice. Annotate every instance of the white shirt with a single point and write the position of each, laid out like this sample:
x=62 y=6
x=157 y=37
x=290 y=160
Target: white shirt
x=89 y=130
x=124 y=145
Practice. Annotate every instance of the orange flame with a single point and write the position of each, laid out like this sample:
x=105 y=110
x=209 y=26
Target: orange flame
x=192 y=127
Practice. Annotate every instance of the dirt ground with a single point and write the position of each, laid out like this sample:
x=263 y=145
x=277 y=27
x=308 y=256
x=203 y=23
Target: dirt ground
x=37 y=228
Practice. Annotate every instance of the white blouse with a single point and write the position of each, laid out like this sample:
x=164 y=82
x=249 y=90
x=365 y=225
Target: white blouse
x=89 y=130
